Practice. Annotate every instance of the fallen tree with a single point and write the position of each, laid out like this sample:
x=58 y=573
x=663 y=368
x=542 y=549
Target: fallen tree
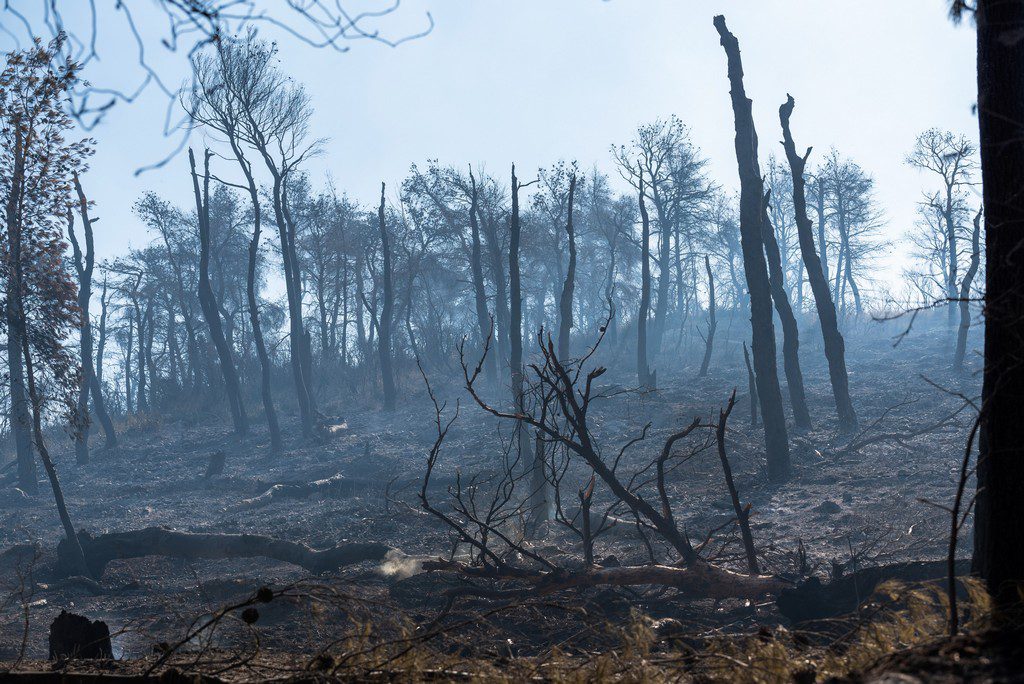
x=160 y=541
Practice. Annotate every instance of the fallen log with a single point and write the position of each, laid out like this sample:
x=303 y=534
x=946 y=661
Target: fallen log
x=700 y=580
x=159 y=541
x=336 y=485
x=814 y=600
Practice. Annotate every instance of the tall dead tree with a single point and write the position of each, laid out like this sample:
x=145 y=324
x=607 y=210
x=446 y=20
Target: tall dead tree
x=751 y=208
x=483 y=317
x=387 y=373
x=645 y=378
x=565 y=302
x=709 y=339
x=817 y=277
x=220 y=106
x=207 y=299
x=998 y=523
x=950 y=157
x=790 y=330
x=85 y=261
x=965 y=295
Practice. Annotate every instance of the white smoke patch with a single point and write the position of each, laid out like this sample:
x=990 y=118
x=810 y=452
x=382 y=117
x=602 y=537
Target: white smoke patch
x=400 y=566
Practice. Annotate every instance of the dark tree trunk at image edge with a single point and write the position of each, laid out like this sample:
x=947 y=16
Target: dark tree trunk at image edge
x=817 y=277
x=387 y=375
x=206 y=297
x=751 y=194
x=998 y=522
x=790 y=330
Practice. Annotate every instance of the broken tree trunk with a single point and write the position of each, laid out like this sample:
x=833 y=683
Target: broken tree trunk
x=742 y=514
x=751 y=194
x=817 y=277
x=159 y=541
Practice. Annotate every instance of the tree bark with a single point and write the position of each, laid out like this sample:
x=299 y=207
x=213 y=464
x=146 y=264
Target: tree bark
x=965 y=295
x=998 y=523
x=751 y=195
x=84 y=266
x=21 y=422
x=645 y=378
x=709 y=340
x=483 y=317
x=387 y=375
x=565 y=302
x=817 y=278
x=207 y=299
x=790 y=330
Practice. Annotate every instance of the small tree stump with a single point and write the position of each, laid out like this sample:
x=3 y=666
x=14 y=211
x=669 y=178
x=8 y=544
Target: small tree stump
x=74 y=636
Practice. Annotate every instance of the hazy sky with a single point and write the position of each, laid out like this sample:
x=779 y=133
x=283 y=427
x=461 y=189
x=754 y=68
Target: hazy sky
x=533 y=81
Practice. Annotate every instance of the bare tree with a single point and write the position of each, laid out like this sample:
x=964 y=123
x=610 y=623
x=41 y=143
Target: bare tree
x=85 y=262
x=565 y=302
x=387 y=373
x=709 y=337
x=751 y=222
x=817 y=277
x=951 y=158
x=208 y=300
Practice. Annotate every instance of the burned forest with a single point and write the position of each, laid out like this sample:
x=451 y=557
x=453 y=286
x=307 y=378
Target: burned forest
x=479 y=340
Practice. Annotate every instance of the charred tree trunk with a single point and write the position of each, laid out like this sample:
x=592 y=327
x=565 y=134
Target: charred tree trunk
x=207 y=299
x=483 y=317
x=790 y=330
x=751 y=386
x=709 y=340
x=565 y=303
x=645 y=378
x=387 y=375
x=751 y=195
x=84 y=265
x=273 y=426
x=19 y=418
x=998 y=523
x=817 y=278
x=742 y=514
x=965 y=295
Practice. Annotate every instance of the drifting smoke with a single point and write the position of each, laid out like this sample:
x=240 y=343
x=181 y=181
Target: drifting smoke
x=400 y=566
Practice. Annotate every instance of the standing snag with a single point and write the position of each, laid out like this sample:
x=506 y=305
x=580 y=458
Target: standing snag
x=751 y=221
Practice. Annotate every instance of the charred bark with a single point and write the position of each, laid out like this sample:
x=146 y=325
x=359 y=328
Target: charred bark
x=645 y=378
x=817 y=277
x=709 y=339
x=790 y=329
x=207 y=299
x=565 y=302
x=387 y=374
x=998 y=523
x=965 y=295
x=84 y=266
x=751 y=194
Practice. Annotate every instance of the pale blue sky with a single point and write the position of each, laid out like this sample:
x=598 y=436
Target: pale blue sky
x=532 y=81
